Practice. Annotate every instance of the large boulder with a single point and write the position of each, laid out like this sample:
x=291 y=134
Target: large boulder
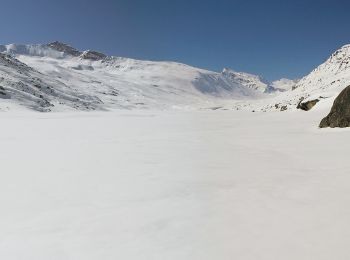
x=340 y=112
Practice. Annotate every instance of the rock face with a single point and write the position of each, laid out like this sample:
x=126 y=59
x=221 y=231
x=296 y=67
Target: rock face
x=93 y=55
x=340 y=112
x=62 y=47
x=248 y=80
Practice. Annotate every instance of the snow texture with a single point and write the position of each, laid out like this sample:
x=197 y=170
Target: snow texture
x=173 y=185
x=192 y=182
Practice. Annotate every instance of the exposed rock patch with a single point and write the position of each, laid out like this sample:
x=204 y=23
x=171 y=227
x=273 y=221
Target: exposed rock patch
x=340 y=112
x=3 y=93
x=307 y=105
x=93 y=55
x=284 y=108
x=62 y=47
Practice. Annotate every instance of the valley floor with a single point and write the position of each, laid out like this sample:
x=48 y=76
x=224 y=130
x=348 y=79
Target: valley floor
x=173 y=185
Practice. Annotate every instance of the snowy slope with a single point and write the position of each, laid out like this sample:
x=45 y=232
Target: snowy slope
x=87 y=80
x=248 y=80
x=323 y=83
x=22 y=85
x=330 y=77
x=137 y=185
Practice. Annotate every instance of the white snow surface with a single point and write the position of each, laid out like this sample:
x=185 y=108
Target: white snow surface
x=173 y=185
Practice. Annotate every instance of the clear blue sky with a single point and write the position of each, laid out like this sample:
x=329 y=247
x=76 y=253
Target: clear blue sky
x=285 y=38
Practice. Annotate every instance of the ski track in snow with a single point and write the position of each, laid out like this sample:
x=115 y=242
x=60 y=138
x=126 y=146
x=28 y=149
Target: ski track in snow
x=173 y=185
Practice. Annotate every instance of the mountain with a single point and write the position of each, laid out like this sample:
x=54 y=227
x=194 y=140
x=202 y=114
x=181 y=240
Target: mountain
x=323 y=84
x=56 y=77
x=23 y=85
x=253 y=82
x=331 y=76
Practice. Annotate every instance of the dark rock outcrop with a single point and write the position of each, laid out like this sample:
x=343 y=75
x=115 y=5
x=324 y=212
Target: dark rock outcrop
x=86 y=55
x=284 y=108
x=340 y=112
x=93 y=55
x=3 y=93
x=62 y=47
x=307 y=105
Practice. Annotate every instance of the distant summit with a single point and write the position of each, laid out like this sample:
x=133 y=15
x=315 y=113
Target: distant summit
x=248 y=80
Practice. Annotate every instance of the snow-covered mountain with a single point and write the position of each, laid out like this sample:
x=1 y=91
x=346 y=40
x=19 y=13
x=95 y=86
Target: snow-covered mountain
x=324 y=83
x=248 y=80
x=332 y=76
x=23 y=85
x=56 y=77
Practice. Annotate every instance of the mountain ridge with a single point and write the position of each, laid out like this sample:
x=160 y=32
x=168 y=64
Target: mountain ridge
x=98 y=81
x=323 y=84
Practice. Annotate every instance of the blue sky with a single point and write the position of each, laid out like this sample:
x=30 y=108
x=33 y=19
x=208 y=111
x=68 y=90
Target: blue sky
x=271 y=38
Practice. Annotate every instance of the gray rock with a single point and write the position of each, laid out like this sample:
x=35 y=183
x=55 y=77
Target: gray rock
x=340 y=112
x=307 y=105
x=284 y=108
x=62 y=47
x=93 y=55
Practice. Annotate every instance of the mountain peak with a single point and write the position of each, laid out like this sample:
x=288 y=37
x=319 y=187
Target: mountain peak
x=341 y=54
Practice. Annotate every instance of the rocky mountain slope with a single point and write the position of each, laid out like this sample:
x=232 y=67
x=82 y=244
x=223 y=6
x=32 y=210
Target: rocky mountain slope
x=258 y=83
x=23 y=85
x=56 y=77
x=321 y=86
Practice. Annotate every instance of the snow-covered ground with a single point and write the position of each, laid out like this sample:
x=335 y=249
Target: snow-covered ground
x=173 y=185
